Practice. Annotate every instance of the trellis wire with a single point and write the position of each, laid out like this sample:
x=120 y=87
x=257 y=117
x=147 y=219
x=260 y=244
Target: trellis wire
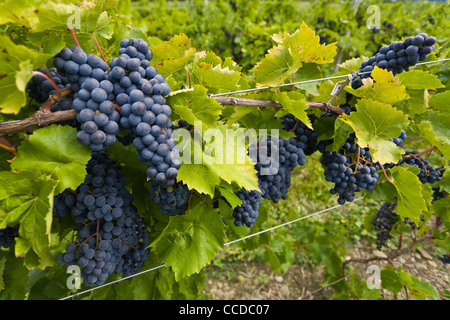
x=307 y=81
x=326 y=286
x=225 y=244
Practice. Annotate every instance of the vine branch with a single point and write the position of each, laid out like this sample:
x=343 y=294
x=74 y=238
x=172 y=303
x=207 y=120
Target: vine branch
x=44 y=117
x=399 y=251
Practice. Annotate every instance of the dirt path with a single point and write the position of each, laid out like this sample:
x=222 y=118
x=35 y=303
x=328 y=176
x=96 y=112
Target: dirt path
x=254 y=281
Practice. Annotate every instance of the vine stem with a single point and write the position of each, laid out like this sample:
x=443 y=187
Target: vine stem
x=384 y=171
x=398 y=252
x=189 y=76
x=58 y=90
x=46 y=117
x=100 y=49
x=72 y=32
x=406 y=142
x=414 y=155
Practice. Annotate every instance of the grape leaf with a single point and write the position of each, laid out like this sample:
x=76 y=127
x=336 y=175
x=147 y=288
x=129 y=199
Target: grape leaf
x=27 y=199
x=410 y=202
x=54 y=150
x=193 y=105
x=14 y=277
x=173 y=55
x=295 y=103
x=390 y=280
x=190 y=241
x=384 y=87
x=209 y=72
x=433 y=126
x=307 y=44
x=202 y=169
x=276 y=66
x=16 y=66
x=419 y=80
x=440 y=101
x=374 y=123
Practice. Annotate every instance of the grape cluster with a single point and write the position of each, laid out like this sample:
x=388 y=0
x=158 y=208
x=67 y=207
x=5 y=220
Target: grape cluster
x=427 y=174
x=274 y=163
x=112 y=236
x=445 y=258
x=247 y=212
x=438 y=193
x=350 y=169
x=40 y=89
x=64 y=203
x=307 y=137
x=384 y=221
x=141 y=91
x=93 y=96
x=397 y=57
x=77 y=66
x=8 y=235
x=173 y=200
x=399 y=141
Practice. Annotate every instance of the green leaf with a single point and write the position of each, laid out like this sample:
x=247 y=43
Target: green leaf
x=440 y=101
x=295 y=103
x=16 y=67
x=276 y=66
x=441 y=208
x=190 y=241
x=433 y=126
x=416 y=104
x=213 y=76
x=14 y=277
x=54 y=150
x=86 y=17
x=374 y=124
x=382 y=87
x=27 y=199
x=410 y=202
x=229 y=194
x=173 y=55
x=193 y=105
x=419 y=80
x=305 y=41
x=390 y=280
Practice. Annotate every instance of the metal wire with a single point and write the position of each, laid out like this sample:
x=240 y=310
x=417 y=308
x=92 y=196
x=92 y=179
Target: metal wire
x=307 y=81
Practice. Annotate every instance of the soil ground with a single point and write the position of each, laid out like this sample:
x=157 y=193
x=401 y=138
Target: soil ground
x=253 y=279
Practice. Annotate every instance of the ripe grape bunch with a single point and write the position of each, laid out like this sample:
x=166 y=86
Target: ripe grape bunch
x=173 y=200
x=350 y=169
x=40 y=88
x=397 y=57
x=274 y=163
x=93 y=96
x=8 y=235
x=112 y=237
x=247 y=212
x=140 y=92
x=384 y=222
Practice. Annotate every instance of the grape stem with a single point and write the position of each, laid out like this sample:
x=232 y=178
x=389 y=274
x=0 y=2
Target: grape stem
x=52 y=82
x=189 y=76
x=72 y=32
x=100 y=49
x=384 y=171
x=415 y=155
